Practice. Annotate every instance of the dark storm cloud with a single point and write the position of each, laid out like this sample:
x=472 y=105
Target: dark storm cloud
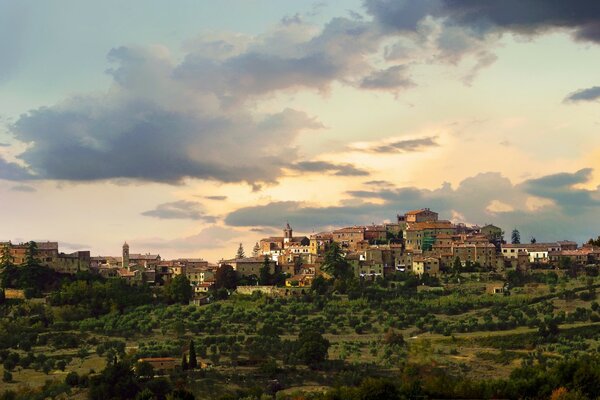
x=560 y=189
x=471 y=199
x=589 y=94
x=324 y=166
x=528 y=17
x=406 y=146
x=13 y=172
x=138 y=140
x=180 y=210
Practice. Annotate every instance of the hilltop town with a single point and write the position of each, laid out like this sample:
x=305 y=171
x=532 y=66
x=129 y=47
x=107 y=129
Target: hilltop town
x=418 y=242
x=421 y=306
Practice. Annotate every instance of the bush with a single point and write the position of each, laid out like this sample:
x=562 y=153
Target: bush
x=7 y=377
x=72 y=379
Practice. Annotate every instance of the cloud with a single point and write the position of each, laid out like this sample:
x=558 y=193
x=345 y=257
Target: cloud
x=181 y=209
x=391 y=78
x=399 y=146
x=560 y=189
x=378 y=183
x=589 y=94
x=12 y=171
x=324 y=166
x=484 y=198
x=528 y=17
x=219 y=198
x=4 y=145
x=23 y=188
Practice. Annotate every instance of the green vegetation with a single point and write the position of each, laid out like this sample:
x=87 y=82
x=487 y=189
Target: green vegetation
x=342 y=338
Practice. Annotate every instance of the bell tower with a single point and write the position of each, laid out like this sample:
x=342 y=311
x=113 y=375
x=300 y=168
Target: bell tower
x=125 y=259
x=287 y=233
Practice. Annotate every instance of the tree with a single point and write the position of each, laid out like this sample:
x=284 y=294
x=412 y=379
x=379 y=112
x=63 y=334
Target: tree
x=30 y=255
x=533 y=240
x=144 y=369
x=72 y=379
x=256 y=250
x=184 y=362
x=311 y=347
x=595 y=242
x=179 y=290
x=240 y=252
x=6 y=259
x=456 y=267
x=334 y=263
x=7 y=377
x=225 y=277
x=193 y=363
x=515 y=237
x=265 y=272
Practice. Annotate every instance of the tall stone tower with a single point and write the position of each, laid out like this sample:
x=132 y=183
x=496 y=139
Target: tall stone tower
x=287 y=233
x=125 y=259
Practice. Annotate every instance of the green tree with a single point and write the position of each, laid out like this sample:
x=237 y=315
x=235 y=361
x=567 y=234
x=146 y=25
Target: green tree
x=144 y=369
x=7 y=376
x=256 y=250
x=193 y=363
x=515 y=237
x=6 y=259
x=225 y=277
x=179 y=290
x=311 y=347
x=184 y=362
x=595 y=242
x=334 y=262
x=264 y=272
x=457 y=266
x=30 y=255
x=240 y=252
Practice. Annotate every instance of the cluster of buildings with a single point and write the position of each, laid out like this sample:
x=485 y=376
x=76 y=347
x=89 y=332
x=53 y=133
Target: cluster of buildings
x=416 y=242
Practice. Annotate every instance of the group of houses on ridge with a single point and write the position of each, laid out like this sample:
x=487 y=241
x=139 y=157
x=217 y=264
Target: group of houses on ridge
x=416 y=242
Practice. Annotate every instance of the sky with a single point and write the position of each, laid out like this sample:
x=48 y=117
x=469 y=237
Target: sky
x=188 y=127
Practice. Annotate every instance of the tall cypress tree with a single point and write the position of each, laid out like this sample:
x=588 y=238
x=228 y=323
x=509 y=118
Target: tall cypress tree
x=193 y=363
x=184 y=363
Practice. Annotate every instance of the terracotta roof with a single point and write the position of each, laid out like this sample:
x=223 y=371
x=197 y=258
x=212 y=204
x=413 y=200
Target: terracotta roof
x=418 y=226
x=415 y=212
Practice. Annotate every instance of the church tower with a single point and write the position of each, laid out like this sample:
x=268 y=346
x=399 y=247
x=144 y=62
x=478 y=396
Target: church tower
x=287 y=233
x=125 y=259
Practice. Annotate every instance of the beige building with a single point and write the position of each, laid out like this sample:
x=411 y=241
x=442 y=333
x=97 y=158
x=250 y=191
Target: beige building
x=420 y=235
x=422 y=215
x=428 y=265
x=249 y=265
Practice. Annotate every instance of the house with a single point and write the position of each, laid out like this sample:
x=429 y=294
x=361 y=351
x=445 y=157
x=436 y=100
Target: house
x=495 y=288
x=160 y=364
x=421 y=215
x=509 y=250
x=423 y=235
x=249 y=265
x=349 y=238
x=300 y=280
x=319 y=242
x=47 y=254
x=274 y=246
x=428 y=265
